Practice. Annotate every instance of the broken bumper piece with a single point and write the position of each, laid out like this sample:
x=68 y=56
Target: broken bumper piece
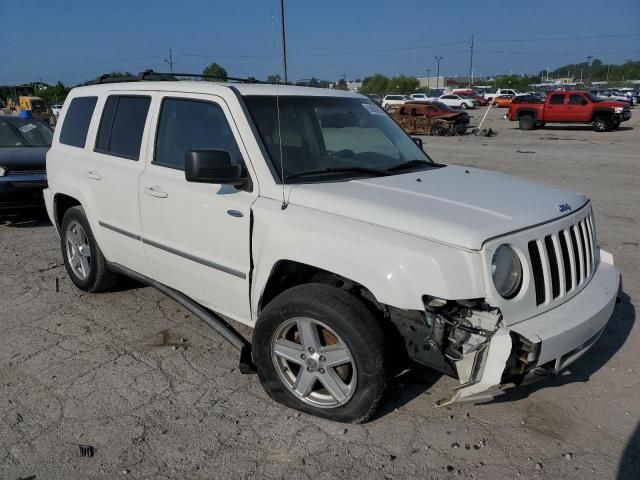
x=553 y=340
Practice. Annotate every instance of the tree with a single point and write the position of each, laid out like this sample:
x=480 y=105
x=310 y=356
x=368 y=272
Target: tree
x=403 y=84
x=314 y=82
x=215 y=70
x=342 y=84
x=377 y=85
x=274 y=79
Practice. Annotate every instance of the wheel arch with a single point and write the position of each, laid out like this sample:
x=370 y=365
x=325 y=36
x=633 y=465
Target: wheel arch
x=62 y=203
x=521 y=112
x=601 y=112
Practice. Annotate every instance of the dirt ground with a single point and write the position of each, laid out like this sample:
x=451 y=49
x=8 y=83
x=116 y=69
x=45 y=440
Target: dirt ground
x=157 y=394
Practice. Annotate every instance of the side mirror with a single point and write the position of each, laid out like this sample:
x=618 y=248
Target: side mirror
x=212 y=166
x=418 y=142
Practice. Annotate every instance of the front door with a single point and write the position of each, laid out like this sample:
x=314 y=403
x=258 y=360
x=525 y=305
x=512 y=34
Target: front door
x=197 y=236
x=578 y=109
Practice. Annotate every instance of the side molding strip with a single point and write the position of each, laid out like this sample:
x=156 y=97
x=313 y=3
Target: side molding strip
x=188 y=256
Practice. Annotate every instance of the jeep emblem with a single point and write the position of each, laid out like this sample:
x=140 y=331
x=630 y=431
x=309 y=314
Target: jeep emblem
x=563 y=207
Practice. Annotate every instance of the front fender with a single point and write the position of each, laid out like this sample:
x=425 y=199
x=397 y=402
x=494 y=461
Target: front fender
x=396 y=267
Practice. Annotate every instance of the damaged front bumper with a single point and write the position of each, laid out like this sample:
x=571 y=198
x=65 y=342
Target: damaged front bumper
x=547 y=343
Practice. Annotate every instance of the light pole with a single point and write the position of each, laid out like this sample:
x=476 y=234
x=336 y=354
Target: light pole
x=438 y=72
x=284 y=40
x=428 y=79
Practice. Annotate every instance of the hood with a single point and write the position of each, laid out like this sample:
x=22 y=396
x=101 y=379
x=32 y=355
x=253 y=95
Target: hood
x=23 y=158
x=612 y=103
x=453 y=205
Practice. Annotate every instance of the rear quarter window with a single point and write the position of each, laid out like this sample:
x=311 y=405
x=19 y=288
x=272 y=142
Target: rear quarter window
x=77 y=120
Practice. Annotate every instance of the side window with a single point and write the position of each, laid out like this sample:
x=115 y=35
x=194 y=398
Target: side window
x=76 y=121
x=122 y=126
x=192 y=125
x=557 y=99
x=576 y=100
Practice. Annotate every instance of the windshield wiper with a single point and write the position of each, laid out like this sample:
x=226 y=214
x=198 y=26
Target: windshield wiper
x=408 y=165
x=310 y=173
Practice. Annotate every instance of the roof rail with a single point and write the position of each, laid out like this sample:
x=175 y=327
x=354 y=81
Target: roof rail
x=150 y=75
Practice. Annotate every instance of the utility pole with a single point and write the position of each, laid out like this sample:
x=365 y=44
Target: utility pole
x=608 y=66
x=438 y=72
x=471 y=65
x=170 y=60
x=284 y=40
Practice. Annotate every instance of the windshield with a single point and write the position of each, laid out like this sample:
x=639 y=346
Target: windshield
x=592 y=97
x=16 y=132
x=331 y=133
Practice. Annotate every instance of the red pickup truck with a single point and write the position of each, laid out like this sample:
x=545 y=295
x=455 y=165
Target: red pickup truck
x=570 y=107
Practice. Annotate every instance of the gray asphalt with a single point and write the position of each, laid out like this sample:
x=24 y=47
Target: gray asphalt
x=157 y=394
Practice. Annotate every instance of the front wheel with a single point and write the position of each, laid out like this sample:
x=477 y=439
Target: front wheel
x=319 y=350
x=463 y=106
x=601 y=124
x=616 y=124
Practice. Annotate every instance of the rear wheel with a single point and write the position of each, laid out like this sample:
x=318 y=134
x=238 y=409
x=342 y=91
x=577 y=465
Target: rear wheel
x=463 y=106
x=83 y=259
x=319 y=350
x=527 y=122
x=602 y=124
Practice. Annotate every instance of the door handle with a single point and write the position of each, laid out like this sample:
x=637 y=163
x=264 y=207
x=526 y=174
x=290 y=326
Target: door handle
x=156 y=191
x=93 y=175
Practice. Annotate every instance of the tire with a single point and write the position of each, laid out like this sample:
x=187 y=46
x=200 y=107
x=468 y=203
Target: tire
x=615 y=124
x=602 y=124
x=342 y=325
x=463 y=106
x=527 y=122
x=83 y=259
x=437 y=131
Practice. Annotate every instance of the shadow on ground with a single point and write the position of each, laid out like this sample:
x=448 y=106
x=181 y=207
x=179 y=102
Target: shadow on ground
x=613 y=338
x=630 y=461
x=36 y=217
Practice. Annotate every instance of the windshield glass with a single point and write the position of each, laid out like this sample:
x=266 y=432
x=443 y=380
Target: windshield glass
x=592 y=97
x=16 y=132
x=330 y=133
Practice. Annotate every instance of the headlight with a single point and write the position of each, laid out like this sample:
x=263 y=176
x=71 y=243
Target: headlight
x=618 y=109
x=506 y=271
x=2 y=171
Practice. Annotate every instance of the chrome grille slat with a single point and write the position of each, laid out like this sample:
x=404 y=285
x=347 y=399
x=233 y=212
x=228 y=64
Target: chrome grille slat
x=563 y=261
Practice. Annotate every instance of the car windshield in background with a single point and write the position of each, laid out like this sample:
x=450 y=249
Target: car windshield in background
x=592 y=97
x=17 y=132
x=326 y=138
x=443 y=106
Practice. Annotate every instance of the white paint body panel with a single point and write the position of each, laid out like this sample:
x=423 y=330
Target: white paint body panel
x=402 y=236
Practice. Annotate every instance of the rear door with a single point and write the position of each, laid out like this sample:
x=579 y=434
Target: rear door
x=555 y=110
x=196 y=236
x=112 y=173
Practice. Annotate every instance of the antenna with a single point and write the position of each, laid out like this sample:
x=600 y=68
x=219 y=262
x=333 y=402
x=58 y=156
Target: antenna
x=275 y=70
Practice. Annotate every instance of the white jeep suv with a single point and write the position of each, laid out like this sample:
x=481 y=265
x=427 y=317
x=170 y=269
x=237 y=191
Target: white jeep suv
x=311 y=216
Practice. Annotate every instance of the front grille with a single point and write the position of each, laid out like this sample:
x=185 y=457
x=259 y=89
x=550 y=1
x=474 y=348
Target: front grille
x=26 y=172
x=563 y=261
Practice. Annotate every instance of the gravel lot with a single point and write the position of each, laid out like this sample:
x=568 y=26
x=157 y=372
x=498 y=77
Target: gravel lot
x=158 y=394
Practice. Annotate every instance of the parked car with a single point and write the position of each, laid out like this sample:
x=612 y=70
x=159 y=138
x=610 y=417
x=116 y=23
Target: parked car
x=457 y=101
x=423 y=97
x=23 y=146
x=571 y=107
x=310 y=216
x=389 y=100
x=612 y=97
x=528 y=98
x=55 y=109
x=502 y=91
x=424 y=118
x=502 y=100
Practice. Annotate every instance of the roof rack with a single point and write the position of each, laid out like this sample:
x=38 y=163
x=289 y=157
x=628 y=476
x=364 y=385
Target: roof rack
x=150 y=75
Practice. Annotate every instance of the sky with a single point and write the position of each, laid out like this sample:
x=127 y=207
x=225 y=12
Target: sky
x=77 y=40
